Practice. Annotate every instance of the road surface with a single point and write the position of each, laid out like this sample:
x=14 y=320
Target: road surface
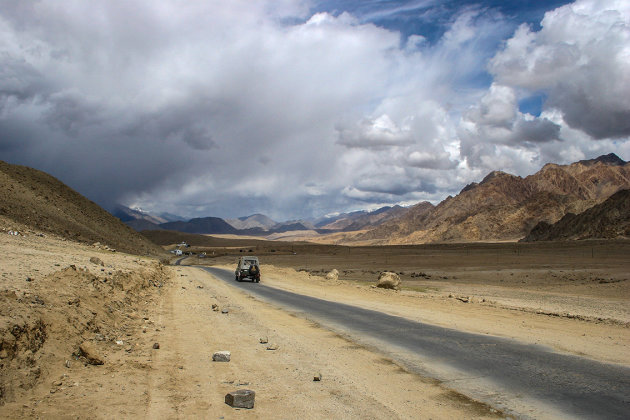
x=527 y=380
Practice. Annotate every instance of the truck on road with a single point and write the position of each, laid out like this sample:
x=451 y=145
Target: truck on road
x=248 y=268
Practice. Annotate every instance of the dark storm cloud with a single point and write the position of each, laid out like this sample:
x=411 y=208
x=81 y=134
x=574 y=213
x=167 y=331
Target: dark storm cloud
x=597 y=118
x=536 y=131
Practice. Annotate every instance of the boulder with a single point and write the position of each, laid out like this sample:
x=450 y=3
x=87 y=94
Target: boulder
x=97 y=261
x=89 y=352
x=242 y=398
x=333 y=274
x=221 y=356
x=388 y=280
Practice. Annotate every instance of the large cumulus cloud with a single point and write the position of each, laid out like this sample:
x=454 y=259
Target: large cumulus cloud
x=578 y=63
x=581 y=60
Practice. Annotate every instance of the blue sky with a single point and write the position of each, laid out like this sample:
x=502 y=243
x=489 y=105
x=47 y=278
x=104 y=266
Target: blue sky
x=300 y=108
x=431 y=18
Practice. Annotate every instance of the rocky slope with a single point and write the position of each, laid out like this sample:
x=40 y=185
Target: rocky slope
x=506 y=207
x=608 y=220
x=40 y=201
x=363 y=219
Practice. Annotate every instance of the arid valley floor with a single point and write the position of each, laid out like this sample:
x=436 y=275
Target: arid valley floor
x=570 y=297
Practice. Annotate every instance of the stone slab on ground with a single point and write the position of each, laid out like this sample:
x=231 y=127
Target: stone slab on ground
x=241 y=398
x=221 y=356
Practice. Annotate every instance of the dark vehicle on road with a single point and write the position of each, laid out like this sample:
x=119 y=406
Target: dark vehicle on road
x=248 y=268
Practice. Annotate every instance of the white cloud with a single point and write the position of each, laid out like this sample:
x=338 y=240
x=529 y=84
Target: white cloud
x=375 y=133
x=581 y=59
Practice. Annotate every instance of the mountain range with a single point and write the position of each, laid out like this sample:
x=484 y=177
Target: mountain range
x=258 y=224
x=608 y=220
x=501 y=207
x=505 y=207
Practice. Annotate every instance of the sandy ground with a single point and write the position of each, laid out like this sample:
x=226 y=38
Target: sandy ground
x=129 y=304
x=179 y=379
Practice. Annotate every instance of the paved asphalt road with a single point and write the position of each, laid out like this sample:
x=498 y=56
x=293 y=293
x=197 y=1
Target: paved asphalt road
x=568 y=385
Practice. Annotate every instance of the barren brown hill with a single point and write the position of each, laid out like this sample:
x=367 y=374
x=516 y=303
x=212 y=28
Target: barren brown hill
x=608 y=220
x=506 y=207
x=42 y=202
x=362 y=220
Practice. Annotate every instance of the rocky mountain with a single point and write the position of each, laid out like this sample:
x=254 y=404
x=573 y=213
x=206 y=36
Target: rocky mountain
x=253 y=221
x=608 y=220
x=506 y=207
x=257 y=224
x=127 y=214
x=203 y=225
x=140 y=224
x=42 y=202
x=358 y=220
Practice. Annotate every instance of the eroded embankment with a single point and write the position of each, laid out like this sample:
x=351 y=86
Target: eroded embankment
x=44 y=321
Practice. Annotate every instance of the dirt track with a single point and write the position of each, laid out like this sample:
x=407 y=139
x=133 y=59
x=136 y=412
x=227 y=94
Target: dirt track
x=180 y=380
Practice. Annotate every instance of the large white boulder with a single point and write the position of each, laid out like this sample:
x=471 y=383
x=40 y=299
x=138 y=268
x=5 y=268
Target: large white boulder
x=333 y=274
x=388 y=280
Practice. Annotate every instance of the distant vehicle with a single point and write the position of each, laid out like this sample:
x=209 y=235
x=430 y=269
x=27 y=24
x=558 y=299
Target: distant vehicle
x=248 y=268
x=178 y=252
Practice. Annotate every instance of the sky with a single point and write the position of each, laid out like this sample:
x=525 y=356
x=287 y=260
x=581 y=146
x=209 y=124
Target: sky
x=298 y=108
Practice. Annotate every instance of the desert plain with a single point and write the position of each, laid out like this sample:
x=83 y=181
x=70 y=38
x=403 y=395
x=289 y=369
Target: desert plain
x=154 y=328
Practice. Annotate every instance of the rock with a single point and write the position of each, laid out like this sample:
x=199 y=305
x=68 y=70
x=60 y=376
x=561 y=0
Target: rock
x=464 y=299
x=89 y=352
x=388 y=280
x=215 y=307
x=221 y=356
x=225 y=311
x=333 y=275
x=96 y=260
x=242 y=398
x=263 y=340
x=273 y=347
x=156 y=346
x=317 y=377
